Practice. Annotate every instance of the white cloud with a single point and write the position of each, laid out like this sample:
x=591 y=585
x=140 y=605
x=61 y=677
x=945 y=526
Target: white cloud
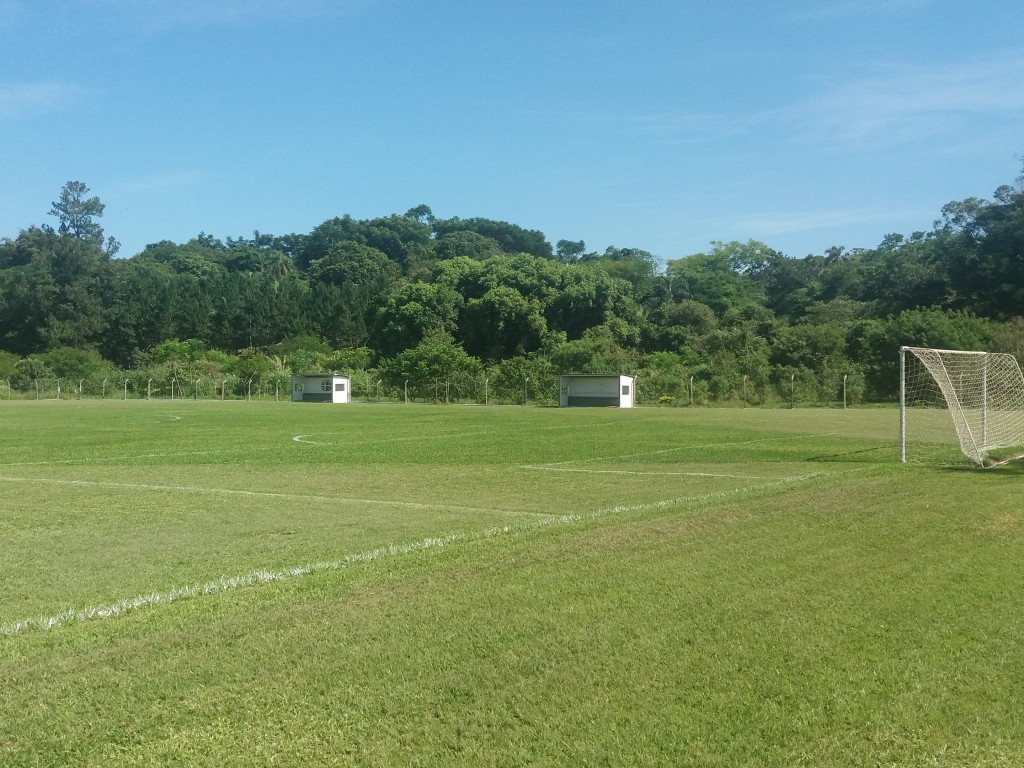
x=793 y=222
x=689 y=128
x=22 y=100
x=906 y=103
x=679 y=128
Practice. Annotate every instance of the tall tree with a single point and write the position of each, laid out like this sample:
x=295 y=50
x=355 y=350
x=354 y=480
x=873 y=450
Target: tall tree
x=411 y=313
x=436 y=357
x=466 y=243
x=570 y=251
x=77 y=215
x=633 y=264
x=725 y=277
x=337 y=313
x=586 y=297
x=349 y=262
x=502 y=323
x=511 y=237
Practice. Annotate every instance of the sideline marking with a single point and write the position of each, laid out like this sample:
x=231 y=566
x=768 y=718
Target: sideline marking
x=225 y=584
x=119 y=458
x=259 y=494
x=544 y=468
x=358 y=442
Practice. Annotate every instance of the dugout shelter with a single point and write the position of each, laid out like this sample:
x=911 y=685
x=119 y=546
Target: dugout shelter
x=600 y=390
x=321 y=388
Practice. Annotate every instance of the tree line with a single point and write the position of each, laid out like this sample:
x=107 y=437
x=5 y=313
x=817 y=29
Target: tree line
x=406 y=302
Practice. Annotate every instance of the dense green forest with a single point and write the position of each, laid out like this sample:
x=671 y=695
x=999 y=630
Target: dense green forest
x=467 y=309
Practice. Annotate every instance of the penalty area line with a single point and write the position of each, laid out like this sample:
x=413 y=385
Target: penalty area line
x=253 y=578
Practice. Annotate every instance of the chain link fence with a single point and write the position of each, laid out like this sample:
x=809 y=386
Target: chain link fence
x=780 y=388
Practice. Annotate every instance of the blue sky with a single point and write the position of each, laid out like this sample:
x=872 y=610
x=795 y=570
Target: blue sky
x=644 y=124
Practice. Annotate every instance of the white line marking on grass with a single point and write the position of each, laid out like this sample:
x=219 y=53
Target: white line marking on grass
x=257 y=494
x=226 y=584
x=223 y=584
x=358 y=442
x=633 y=472
x=115 y=458
x=685 y=448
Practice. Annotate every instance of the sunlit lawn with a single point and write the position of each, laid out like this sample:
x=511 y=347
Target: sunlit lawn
x=430 y=585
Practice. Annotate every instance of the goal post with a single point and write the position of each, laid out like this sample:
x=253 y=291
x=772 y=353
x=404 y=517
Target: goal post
x=973 y=401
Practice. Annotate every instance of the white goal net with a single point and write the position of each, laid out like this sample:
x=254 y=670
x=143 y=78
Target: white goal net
x=970 y=400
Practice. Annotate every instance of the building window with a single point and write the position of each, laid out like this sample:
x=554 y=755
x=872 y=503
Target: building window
x=625 y=390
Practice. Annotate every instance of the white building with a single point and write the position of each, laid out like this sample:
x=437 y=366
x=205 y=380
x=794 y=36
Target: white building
x=609 y=390
x=321 y=388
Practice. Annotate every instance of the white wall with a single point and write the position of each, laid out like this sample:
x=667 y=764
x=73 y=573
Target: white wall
x=321 y=389
x=595 y=390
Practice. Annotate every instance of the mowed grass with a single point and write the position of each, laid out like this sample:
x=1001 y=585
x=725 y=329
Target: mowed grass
x=500 y=586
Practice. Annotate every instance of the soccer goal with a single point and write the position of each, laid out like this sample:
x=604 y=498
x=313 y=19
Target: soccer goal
x=970 y=400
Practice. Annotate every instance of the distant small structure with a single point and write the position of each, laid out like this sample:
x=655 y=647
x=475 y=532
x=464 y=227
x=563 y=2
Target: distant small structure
x=601 y=390
x=321 y=388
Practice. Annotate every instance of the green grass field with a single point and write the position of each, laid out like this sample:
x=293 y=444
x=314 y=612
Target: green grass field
x=221 y=584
